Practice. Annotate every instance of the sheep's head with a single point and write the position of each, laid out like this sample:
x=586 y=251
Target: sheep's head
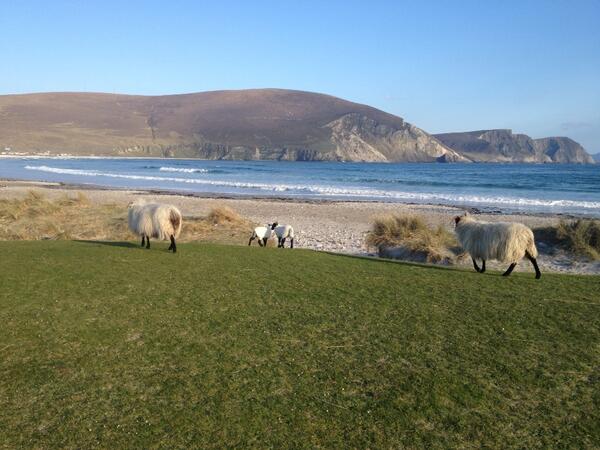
x=458 y=219
x=138 y=202
x=274 y=225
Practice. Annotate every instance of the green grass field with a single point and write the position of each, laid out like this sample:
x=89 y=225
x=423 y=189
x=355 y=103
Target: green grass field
x=107 y=345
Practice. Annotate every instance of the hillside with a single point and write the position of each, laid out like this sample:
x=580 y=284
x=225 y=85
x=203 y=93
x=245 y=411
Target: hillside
x=247 y=124
x=106 y=345
x=596 y=157
x=504 y=146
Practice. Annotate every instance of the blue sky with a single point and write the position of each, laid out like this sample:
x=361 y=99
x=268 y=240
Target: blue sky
x=533 y=66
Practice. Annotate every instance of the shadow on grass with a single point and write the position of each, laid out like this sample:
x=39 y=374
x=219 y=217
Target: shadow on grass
x=378 y=260
x=108 y=243
x=459 y=269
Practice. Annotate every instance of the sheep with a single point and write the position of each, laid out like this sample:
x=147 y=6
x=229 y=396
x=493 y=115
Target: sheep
x=155 y=220
x=283 y=232
x=263 y=234
x=504 y=241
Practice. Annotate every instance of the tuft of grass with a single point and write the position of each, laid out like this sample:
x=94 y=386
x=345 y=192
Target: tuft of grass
x=224 y=215
x=107 y=345
x=34 y=217
x=412 y=235
x=580 y=237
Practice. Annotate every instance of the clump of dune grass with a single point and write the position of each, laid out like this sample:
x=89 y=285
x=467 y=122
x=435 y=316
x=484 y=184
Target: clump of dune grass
x=222 y=224
x=581 y=237
x=224 y=215
x=411 y=238
x=35 y=217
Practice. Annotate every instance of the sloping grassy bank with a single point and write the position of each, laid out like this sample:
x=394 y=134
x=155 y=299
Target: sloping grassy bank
x=108 y=345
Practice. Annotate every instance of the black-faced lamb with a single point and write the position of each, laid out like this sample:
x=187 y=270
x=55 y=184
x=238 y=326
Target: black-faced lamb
x=263 y=234
x=283 y=232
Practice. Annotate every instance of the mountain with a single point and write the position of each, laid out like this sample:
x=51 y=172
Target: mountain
x=596 y=157
x=504 y=146
x=247 y=124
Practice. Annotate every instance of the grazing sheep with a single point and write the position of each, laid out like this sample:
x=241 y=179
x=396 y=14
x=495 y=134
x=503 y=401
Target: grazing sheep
x=263 y=234
x=283 y=232
x=155 y=220
x=504 y=241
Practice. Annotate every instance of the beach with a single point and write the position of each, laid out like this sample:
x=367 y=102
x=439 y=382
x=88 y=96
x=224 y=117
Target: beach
x=323 y=225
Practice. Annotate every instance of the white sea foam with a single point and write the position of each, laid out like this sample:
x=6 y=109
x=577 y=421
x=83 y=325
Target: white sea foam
x=183 y=170
x=330 y=191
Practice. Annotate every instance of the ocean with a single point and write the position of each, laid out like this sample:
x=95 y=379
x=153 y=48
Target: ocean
x=526 y=188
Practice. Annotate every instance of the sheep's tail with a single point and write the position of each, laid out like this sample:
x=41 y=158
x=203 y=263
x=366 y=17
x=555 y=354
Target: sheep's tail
x=176 y=221
x=531 y=248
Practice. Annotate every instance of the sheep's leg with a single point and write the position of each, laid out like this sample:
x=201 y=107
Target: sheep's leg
x=278 y=242
x=509 y=270
x=173 y=246
x=283 y=243
x=265 y=241
x=251 y=239
x=291 y=242
x=260 y=243
x=538 y=274
x=475 y=265
x=482 y=266
x=143 y=239
x=147 y=241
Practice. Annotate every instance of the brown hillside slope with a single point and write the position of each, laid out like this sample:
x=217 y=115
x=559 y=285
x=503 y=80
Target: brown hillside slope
x=246 y=124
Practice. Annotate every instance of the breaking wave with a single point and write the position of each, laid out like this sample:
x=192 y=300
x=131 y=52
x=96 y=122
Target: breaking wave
x=182 y=170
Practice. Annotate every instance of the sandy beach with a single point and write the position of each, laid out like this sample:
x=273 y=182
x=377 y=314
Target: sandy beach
x=334 y=226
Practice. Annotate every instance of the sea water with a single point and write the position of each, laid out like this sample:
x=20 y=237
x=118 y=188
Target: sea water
x=528 y=188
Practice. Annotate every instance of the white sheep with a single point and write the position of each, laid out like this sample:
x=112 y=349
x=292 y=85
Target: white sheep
x=156 y=220
x=263 y=234
x=504 y=241
x=283 y=232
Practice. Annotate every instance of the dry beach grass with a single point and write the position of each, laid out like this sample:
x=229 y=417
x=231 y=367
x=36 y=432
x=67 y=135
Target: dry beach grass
x=74 y=216
x=412 y=238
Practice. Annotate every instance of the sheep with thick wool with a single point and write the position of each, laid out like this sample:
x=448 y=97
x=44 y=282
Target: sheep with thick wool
x=159 y=221
x=504 y=241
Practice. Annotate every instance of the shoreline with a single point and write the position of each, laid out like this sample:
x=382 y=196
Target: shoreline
x=488 y=211
x=337 y=226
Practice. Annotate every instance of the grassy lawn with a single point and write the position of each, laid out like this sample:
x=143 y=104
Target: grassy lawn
x=111 y=346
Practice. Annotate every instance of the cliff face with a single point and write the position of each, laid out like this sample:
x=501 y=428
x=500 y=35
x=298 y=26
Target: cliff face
x=504 y=146
x=358 y=137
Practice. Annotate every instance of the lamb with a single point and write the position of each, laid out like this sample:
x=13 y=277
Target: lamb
x=504 y=241
x=283 y=232
x=155 y=220
x=263 y=234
